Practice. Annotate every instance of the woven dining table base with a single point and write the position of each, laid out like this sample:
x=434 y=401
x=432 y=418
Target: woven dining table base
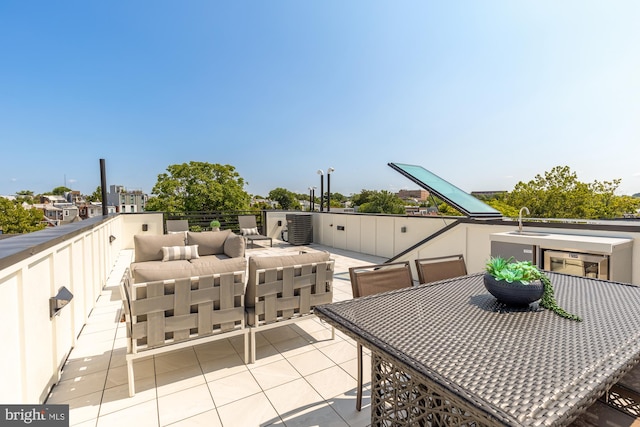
x=399 y=398
x=626 y=401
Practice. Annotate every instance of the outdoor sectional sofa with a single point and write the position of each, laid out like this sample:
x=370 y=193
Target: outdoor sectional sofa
x=173 y=256
x=165 y=314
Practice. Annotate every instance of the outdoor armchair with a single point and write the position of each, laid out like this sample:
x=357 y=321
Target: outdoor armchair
x=249 y=229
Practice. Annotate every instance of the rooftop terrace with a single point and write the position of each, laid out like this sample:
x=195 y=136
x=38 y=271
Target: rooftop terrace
x=301 y=376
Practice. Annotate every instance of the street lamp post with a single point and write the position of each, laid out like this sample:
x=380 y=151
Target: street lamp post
x=311 y=199
x=321 y=173
x=329 y=187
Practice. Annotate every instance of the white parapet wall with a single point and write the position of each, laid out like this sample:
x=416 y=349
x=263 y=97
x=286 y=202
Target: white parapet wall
x=33 y=268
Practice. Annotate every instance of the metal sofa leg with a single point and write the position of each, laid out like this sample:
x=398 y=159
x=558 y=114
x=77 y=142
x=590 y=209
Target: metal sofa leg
x=252 y=346
x=131 y=378
x=247 y=343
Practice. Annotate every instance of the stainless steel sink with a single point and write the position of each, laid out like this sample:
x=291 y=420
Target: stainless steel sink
x=527 y=233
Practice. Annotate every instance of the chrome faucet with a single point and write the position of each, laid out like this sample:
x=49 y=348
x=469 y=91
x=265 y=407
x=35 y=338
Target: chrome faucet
x=524 y=208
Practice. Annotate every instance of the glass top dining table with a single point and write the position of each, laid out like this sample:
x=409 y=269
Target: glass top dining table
x=448 y=353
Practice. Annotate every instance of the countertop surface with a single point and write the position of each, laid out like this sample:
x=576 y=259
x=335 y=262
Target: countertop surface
x=572 y=242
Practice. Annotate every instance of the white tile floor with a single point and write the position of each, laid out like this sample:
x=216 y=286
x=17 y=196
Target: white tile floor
x=301 y=376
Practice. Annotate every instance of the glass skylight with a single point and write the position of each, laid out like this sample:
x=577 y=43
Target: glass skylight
x=452 y=195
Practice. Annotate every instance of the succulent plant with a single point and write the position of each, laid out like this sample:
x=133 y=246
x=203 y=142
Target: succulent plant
x=525 y=272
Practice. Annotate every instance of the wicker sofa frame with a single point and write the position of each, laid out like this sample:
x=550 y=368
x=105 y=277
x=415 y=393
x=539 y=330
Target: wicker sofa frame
x=282 y=294
x=168 y=315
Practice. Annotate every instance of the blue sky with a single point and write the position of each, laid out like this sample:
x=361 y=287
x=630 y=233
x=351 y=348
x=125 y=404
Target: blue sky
x=484 y=94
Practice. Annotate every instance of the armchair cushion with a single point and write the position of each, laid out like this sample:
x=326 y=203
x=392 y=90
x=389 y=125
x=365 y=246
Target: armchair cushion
x=157 y=270
x=258 y=263
x=234 y=246
x=149 y=247
x=209 y=242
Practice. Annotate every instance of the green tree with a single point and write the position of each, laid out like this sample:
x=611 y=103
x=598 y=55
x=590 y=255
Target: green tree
x=447 y=210
x=96 y=196
x=15 y=219
x=199 y=186
x=285 y=198
x=382 y=202
x=363 y=197
x=59 y=191
x=503 y=207
x=25 y=196
x=559 y=194
x=337 y=200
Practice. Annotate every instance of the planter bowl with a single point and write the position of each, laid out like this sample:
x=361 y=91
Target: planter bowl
x=515 y=293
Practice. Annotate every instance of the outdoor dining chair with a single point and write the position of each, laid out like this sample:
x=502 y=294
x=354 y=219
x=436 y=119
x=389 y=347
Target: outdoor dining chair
x=440 y=268
x=373 y=279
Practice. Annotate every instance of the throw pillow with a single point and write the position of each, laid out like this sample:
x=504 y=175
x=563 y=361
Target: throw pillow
x=249 y=231
x=174 y=253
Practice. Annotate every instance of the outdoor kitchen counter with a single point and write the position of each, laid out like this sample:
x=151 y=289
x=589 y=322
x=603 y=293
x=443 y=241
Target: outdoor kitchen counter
x=573 y=242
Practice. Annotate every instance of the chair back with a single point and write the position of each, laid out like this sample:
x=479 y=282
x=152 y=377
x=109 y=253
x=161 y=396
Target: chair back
x=177 y=225
x=440 y=268
x=373 y=279
x=247 y=221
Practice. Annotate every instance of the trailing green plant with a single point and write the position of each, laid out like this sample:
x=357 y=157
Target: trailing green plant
x=548 y=301
x=525 y=272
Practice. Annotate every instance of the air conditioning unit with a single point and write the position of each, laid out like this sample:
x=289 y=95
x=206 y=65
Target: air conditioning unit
x=300 y=229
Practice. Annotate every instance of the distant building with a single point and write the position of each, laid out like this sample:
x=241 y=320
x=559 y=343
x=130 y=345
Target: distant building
x=272 y=203
x=52 y=213
x=126 y=200
x=417 y=195
x=52 y=198
x=89 y=210
x=421 y=211
x=74 y=197
x=57 y=210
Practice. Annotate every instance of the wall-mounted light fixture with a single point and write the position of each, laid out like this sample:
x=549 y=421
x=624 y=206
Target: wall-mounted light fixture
x=112 y=238
x=403 y=229
x=62 y=298
x=145 y=227
x=279 y=223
